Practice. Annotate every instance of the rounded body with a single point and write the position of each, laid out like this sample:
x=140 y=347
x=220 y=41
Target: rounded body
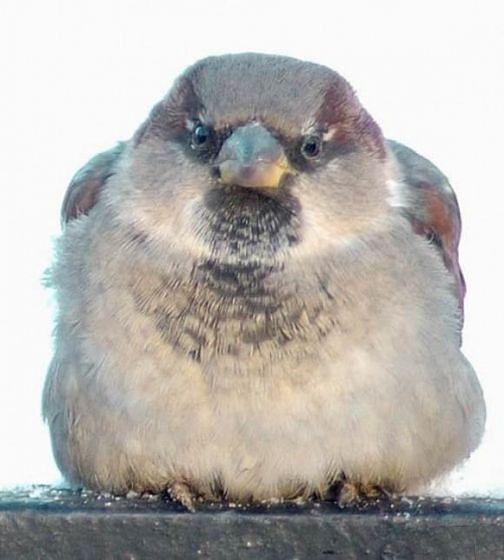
x=262 y=382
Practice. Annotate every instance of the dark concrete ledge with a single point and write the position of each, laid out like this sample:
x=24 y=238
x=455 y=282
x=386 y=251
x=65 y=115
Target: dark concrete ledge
x=45 y=523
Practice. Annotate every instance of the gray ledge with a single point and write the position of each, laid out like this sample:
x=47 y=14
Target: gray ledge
x=44 y=523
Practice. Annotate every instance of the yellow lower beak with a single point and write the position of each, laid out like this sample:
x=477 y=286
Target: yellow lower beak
x=259 y=174
x=252 y=157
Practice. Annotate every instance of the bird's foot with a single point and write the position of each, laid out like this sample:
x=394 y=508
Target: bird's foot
x=182 y=493
x=352 y=493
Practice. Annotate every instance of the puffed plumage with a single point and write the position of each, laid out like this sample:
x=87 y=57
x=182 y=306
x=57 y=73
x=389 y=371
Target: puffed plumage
x=259 y=297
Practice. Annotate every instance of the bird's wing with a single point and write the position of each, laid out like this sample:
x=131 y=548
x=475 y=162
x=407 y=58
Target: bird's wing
x=427 y=198
x=86 y=184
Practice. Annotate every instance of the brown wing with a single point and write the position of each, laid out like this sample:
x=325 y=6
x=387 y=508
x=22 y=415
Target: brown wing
x=431 y=205
x=84 y=188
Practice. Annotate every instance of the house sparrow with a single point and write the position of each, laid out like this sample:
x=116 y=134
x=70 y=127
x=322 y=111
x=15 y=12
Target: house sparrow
x=252 y=305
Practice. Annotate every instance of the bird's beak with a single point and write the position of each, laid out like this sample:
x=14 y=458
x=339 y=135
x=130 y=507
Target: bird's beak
x=252 y=157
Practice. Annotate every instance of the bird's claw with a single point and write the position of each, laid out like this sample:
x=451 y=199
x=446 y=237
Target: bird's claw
x=181 y=492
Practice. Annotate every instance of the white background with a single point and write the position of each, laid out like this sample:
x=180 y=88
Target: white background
x=76 y=76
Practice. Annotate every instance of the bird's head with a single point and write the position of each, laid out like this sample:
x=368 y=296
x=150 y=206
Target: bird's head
x=252 y=157
x=253 y=153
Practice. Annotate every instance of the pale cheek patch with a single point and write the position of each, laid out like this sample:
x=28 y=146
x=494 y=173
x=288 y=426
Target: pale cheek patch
x=321 y=231
x=308 y=127
x=190 y=123
x=311 y=128
x=329 y=135
x=397 y=197
x=165 y=226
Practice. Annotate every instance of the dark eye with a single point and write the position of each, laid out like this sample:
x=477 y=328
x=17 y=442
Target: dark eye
x=201 y=136
x=433 y=238
x=311 y=146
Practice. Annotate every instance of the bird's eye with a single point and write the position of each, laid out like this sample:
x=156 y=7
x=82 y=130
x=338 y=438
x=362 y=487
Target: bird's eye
x=201 y=136
x=311 y=146
x=433 y=238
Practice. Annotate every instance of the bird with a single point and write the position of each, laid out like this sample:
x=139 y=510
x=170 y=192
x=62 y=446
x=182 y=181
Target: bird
x=259 y=298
